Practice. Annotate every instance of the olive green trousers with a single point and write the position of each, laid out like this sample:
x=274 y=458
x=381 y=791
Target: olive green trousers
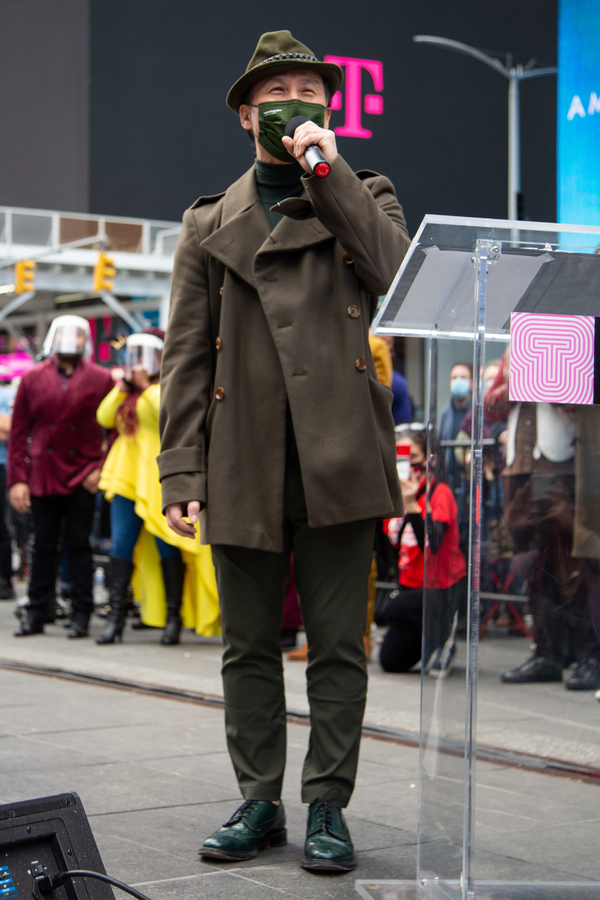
x=331 y=570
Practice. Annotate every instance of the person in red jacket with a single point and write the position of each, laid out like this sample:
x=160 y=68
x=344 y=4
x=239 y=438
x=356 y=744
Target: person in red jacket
x=54 y=462
x=429 y=559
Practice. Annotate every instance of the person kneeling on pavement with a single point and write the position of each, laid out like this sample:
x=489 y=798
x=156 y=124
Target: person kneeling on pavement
x=438 y=554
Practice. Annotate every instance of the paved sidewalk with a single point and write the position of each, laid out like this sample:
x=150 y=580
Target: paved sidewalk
x=543 y=719
x=154 y=777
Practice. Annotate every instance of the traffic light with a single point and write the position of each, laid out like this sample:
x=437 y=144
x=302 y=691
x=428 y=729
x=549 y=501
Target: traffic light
x=25 y=276
x=104 y=273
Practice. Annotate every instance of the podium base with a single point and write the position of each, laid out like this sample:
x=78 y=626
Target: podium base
x=436 y=889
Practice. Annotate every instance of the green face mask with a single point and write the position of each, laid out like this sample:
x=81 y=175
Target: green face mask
x=274 y=116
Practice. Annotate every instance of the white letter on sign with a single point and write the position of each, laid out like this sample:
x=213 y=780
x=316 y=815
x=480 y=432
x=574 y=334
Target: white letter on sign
x=576 y=109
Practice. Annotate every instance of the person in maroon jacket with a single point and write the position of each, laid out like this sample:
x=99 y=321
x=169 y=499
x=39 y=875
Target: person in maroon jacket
x=54 y=462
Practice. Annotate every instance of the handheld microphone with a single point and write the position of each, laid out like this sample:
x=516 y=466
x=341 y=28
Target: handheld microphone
x=313 y=153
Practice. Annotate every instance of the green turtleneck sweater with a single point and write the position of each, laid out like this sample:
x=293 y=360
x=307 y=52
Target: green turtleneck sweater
x=275 y=183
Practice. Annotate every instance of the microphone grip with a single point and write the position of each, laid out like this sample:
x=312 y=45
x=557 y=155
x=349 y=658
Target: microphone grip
x=317 y=161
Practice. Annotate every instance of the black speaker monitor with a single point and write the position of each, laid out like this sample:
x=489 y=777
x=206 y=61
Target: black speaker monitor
x=46 y=837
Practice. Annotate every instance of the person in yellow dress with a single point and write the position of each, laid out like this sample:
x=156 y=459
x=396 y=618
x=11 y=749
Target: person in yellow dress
x=141 y=539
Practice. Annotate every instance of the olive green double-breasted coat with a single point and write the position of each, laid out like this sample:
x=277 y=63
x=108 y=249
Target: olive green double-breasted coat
x=260 y=318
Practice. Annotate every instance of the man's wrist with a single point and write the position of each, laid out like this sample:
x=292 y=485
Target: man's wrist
x=183 y=487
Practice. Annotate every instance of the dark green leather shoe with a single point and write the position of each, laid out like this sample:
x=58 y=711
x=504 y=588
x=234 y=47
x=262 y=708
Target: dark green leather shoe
x=328 y=846
x=256 y=825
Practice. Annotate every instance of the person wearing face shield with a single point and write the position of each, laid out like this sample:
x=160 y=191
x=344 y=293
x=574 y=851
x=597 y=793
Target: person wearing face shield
x=55 y=457
x=130 y=482
x=275 y=430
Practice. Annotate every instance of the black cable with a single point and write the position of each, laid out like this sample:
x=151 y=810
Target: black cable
x=47 y=884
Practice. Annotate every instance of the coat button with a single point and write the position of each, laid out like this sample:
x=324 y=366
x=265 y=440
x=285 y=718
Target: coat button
x=220 y=292
x=353 y=312
x=49 y=449
x=27 y=459
x=220 y=393
x=361 y=364
x=347 y=259
x=218 y=343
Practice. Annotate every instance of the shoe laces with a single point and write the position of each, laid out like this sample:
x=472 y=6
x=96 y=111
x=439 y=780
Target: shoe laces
x=325 y=812
x=241 y=811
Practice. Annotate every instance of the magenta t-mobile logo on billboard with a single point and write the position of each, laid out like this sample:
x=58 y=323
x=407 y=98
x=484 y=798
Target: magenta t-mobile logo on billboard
x=353 y=96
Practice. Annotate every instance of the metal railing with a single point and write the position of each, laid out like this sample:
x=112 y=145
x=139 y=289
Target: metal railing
x=25 y=228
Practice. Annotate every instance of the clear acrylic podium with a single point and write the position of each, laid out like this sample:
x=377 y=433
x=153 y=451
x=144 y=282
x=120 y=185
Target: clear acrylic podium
x=460 y=282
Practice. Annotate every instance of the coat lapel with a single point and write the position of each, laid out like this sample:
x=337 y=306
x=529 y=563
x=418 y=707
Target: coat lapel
x=295 y=234
x=245 y=230
x=236 y=243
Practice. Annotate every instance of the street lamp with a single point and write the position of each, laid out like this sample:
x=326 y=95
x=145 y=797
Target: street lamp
x=515 y=75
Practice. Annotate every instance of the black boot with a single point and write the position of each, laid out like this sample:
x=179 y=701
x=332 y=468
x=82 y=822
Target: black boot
x=79 y=626
x=173 y=575
x=585 y=676
x=29 y=627
x=534 y=669
x=120 y=573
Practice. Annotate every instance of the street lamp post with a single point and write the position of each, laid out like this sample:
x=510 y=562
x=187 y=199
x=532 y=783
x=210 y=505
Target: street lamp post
x=514 y=74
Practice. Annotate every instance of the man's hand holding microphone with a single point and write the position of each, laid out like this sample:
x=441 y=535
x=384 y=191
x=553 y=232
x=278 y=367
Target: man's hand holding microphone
x=314 y=147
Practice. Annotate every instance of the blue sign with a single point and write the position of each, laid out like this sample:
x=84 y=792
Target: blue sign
x=7 y=885
x=578 y=151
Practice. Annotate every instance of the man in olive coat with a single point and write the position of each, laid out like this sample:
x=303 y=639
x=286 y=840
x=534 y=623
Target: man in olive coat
x=276 y=432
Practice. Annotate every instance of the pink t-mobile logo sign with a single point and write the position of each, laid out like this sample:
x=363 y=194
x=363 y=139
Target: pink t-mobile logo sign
x=353 y=127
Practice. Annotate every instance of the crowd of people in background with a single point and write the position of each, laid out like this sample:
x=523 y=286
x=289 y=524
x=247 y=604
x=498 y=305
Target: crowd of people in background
x=78 y=439
x=80 y=435
x=539 y=536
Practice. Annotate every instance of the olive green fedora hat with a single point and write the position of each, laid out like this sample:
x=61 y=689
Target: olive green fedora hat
x=278 y=51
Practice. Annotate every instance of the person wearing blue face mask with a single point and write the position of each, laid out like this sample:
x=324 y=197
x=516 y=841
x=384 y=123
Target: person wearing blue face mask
x=461 y=384
x=460 y=389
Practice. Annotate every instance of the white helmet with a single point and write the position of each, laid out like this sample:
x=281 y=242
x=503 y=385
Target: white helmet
x=69 y=336
x=143 y=350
